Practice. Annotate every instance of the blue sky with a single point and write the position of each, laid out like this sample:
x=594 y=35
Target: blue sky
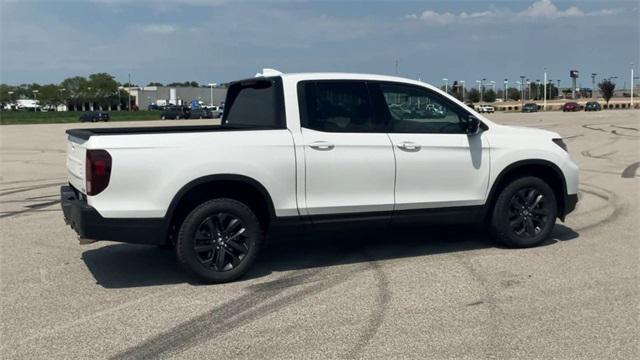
x=218 y=40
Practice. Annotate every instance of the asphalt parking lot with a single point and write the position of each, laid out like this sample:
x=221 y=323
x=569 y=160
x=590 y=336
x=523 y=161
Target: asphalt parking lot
x=445 y=292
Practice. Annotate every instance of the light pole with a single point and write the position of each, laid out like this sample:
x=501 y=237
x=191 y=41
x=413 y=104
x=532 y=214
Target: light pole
x=479 y=82
x=35 y=99
x=10 y=96
x=522 y=89
x=129 y=84
x=211 y=85
x=631 y=96
x=446 y=85
x=506 y=83
x=462 y=82
x=558 y=87
x=544 y=102
x=529 y=88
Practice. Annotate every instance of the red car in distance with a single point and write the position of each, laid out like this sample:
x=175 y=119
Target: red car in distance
x=571 y=106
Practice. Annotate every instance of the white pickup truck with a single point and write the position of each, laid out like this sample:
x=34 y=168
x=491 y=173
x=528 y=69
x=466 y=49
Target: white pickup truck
x=310 y=151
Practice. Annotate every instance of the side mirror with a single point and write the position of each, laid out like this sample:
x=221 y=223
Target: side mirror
x=473 y=125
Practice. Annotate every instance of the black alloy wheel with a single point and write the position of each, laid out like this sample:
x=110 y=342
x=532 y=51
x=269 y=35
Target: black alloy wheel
x=524 y=213
x=528 y=212
x=221 y=242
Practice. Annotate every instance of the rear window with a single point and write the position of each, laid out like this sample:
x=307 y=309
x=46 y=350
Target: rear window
x=255 y=103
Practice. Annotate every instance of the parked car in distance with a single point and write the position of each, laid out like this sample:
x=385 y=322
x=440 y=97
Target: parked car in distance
x=175 y=113
x=592 y=106
x=201 y=113
x=94 y=116
x=486 y=108
x=529 y=107
x=571 y=106
x=352 y=151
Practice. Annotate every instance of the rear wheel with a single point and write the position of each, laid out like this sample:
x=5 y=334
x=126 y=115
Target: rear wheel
x=525 y=213
x=219 y=240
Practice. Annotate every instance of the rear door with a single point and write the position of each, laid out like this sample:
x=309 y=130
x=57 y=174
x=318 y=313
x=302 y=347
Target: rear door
x=349 y=161
x=437 y=163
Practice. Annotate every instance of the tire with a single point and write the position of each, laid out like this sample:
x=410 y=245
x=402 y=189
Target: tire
x=521 y=218
x=230 y=220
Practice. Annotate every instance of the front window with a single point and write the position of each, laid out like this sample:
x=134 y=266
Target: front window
x=416 y=110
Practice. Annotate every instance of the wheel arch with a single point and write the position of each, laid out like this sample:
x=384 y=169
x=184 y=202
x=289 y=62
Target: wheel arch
x=544 y=169
x=239 y=187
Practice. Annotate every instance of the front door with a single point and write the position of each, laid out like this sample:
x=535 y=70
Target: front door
x=437 y=163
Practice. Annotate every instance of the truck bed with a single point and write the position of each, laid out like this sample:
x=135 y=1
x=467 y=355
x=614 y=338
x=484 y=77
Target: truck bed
x=87 y=133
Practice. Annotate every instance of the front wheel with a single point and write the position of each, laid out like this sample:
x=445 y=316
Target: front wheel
x=524 y=213
x=219 y=240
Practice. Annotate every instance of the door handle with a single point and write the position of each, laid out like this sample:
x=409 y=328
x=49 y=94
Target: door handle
x=409 y=146
x=322 y=145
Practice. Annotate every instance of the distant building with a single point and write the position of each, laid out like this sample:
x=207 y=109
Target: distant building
x=142 y=97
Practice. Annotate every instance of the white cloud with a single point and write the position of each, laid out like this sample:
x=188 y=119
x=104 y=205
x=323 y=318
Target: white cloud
x=546 y=9
x=158 y=28
x=433 y=17
x=540 y=9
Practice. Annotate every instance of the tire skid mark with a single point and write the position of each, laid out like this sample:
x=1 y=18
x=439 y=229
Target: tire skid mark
x=377 y=314
x=624 y=127
x=630 y=171
x=605 y=195
x=29 y=188
x=231 y=315
x=590 y=127
x=31 y=208
x=587 y=153
x=28 y=181
x=601 y=171
x=572 y=137
x=616 y=132
x=496 y=329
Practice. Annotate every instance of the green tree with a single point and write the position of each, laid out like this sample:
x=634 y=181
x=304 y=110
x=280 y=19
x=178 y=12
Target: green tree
x=473 y=95
x=74 y=90
x=489 y=96
x=607 y=87
x=49 y=95
x=5 y=97
x=513 y=94
x=101 y=89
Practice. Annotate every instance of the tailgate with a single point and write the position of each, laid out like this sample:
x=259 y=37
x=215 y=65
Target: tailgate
x=76 y=153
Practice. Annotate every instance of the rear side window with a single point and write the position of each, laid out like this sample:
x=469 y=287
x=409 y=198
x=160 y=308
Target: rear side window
x=255 y=103
x=336 y=106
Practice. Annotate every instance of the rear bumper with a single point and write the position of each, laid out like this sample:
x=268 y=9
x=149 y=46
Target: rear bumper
x=89 y=224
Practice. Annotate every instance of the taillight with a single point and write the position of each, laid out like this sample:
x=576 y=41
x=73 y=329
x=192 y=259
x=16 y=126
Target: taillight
x=98 y=171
